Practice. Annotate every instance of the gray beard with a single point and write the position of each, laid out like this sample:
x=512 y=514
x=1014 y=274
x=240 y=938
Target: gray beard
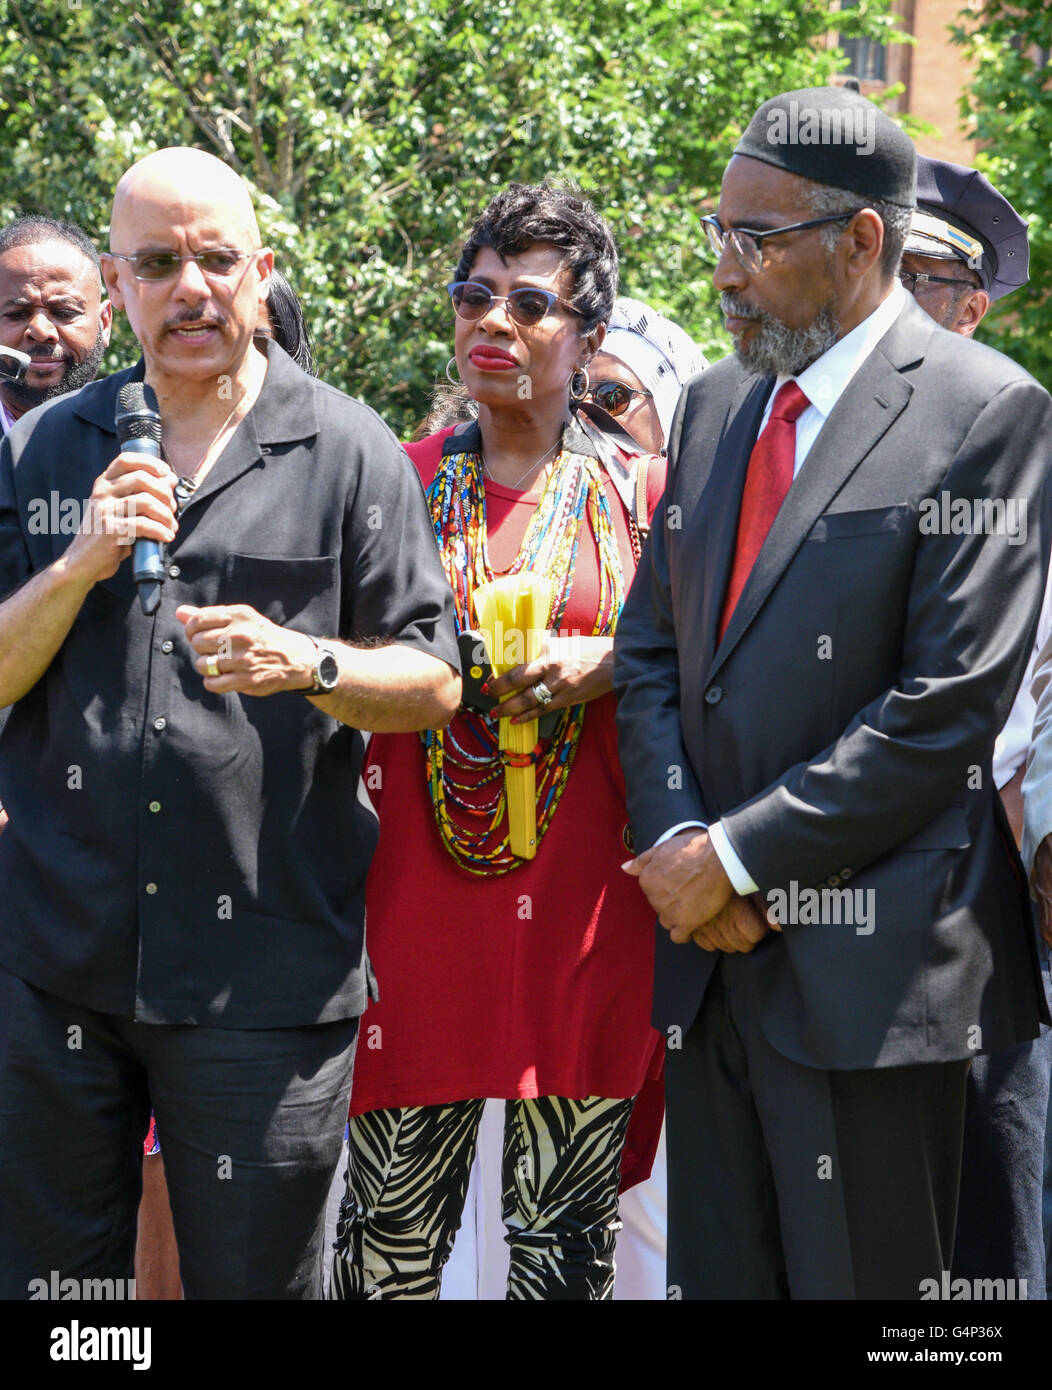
x=777 y=349
x=76 y=375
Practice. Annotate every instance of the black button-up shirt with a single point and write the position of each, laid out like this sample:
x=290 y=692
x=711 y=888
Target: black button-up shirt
x=178 y=856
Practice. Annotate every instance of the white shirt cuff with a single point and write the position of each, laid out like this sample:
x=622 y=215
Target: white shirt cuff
x=683 y=825
x=736 y=870
x=733 y=866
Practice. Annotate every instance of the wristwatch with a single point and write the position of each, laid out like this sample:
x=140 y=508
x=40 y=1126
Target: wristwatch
x=326 y=670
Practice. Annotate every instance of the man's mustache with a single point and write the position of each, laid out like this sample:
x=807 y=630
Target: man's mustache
x=733 y=308
x=209 y=321
x=39 y=356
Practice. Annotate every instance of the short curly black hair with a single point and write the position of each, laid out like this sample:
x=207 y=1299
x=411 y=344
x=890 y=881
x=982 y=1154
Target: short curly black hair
x=35 y=228
x=527 y=213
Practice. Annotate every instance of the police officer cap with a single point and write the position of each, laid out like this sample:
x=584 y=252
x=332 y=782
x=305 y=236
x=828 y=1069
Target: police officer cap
x=960 y=215
x=837 y=137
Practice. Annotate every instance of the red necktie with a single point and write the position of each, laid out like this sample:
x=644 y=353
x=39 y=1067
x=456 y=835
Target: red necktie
x=769 y=476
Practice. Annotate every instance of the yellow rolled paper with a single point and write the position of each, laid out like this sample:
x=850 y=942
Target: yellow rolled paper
x=512 y=613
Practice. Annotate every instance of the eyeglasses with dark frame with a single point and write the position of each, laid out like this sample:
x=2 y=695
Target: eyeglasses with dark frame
x=745 y=242
x=526 y=305
x=614 y=396
x=919 y=278
x=163 y=265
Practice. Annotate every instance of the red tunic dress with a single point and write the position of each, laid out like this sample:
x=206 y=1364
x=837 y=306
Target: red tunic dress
x=531 y=983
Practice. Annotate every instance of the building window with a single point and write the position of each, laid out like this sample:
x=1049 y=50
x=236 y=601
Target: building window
x=864 y=58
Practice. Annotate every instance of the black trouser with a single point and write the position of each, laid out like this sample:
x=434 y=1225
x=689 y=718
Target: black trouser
x=250 y=1121
x=999 y=1233
x=790 y=1182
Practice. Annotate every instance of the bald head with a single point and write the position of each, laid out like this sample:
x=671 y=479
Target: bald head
x=183 y=177
x=193 y=317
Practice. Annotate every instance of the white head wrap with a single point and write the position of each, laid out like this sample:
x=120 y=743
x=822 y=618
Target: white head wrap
x=661 y=354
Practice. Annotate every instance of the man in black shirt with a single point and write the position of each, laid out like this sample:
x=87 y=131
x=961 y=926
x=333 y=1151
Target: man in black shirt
x=184 y=871
x=52 y=310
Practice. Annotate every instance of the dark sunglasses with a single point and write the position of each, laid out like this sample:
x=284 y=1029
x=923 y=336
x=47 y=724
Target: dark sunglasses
x=526 y=305
x=614 y=396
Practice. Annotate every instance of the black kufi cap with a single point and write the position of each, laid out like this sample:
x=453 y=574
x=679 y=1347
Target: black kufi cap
x=837 y=137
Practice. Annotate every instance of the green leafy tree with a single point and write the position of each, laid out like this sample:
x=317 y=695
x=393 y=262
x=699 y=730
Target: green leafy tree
x=373 y=133
x=1008 y=104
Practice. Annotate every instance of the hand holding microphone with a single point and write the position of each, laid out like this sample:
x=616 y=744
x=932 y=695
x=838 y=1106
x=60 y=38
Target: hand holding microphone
x=132 y=503
x=138 y=424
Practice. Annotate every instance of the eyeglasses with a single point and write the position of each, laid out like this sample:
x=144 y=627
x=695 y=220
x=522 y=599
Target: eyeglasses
x=526 y=305
x=163 y=265
x=614 y=396
x=913 y=279
x=746 y=244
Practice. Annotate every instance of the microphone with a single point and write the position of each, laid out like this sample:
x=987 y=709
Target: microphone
x=138 y=425
x=14 y=364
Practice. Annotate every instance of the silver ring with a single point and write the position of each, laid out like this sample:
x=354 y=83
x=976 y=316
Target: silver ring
x=212 y=666
x=542 y=694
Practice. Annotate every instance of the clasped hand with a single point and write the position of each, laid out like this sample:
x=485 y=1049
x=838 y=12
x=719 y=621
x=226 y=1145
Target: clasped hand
x=688 y=888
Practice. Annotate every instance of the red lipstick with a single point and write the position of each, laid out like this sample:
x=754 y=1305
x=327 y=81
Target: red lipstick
x=491 y=359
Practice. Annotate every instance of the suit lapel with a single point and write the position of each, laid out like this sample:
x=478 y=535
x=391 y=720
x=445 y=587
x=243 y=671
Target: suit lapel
x=876 y=395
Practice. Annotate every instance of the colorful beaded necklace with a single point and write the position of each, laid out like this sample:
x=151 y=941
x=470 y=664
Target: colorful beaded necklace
x=465 y=766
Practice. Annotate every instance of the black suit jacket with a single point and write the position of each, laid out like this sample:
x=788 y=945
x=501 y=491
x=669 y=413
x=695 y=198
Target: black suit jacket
x=843 y=729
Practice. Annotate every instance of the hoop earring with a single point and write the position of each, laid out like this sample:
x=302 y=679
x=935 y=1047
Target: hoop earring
x=453 y=380
x=577 y=391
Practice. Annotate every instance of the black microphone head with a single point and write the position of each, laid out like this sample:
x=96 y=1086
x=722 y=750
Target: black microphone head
x=137 y=416
x=13 y=364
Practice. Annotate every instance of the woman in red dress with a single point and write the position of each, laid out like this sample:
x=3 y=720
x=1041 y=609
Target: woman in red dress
x=528 y=980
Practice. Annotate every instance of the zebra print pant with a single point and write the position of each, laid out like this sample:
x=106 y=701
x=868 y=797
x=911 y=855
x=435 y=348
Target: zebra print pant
x=407 y=1178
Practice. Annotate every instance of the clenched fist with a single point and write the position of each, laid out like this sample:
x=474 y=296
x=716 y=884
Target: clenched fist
x=238 y=650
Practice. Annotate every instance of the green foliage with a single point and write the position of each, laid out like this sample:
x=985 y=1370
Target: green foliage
x=373 y=133
x=1009 y=105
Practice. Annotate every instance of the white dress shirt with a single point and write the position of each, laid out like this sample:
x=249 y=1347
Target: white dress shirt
x=823 y=383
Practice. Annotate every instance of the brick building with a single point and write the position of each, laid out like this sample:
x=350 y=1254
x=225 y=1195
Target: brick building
x=933 y=70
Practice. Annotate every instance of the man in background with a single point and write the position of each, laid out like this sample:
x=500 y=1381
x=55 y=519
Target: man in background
x=968 y=248
x=52 y=309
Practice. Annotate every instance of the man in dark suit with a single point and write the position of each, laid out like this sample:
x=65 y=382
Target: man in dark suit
x=823 y=640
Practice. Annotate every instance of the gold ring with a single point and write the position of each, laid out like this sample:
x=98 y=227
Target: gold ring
x=212 y=666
